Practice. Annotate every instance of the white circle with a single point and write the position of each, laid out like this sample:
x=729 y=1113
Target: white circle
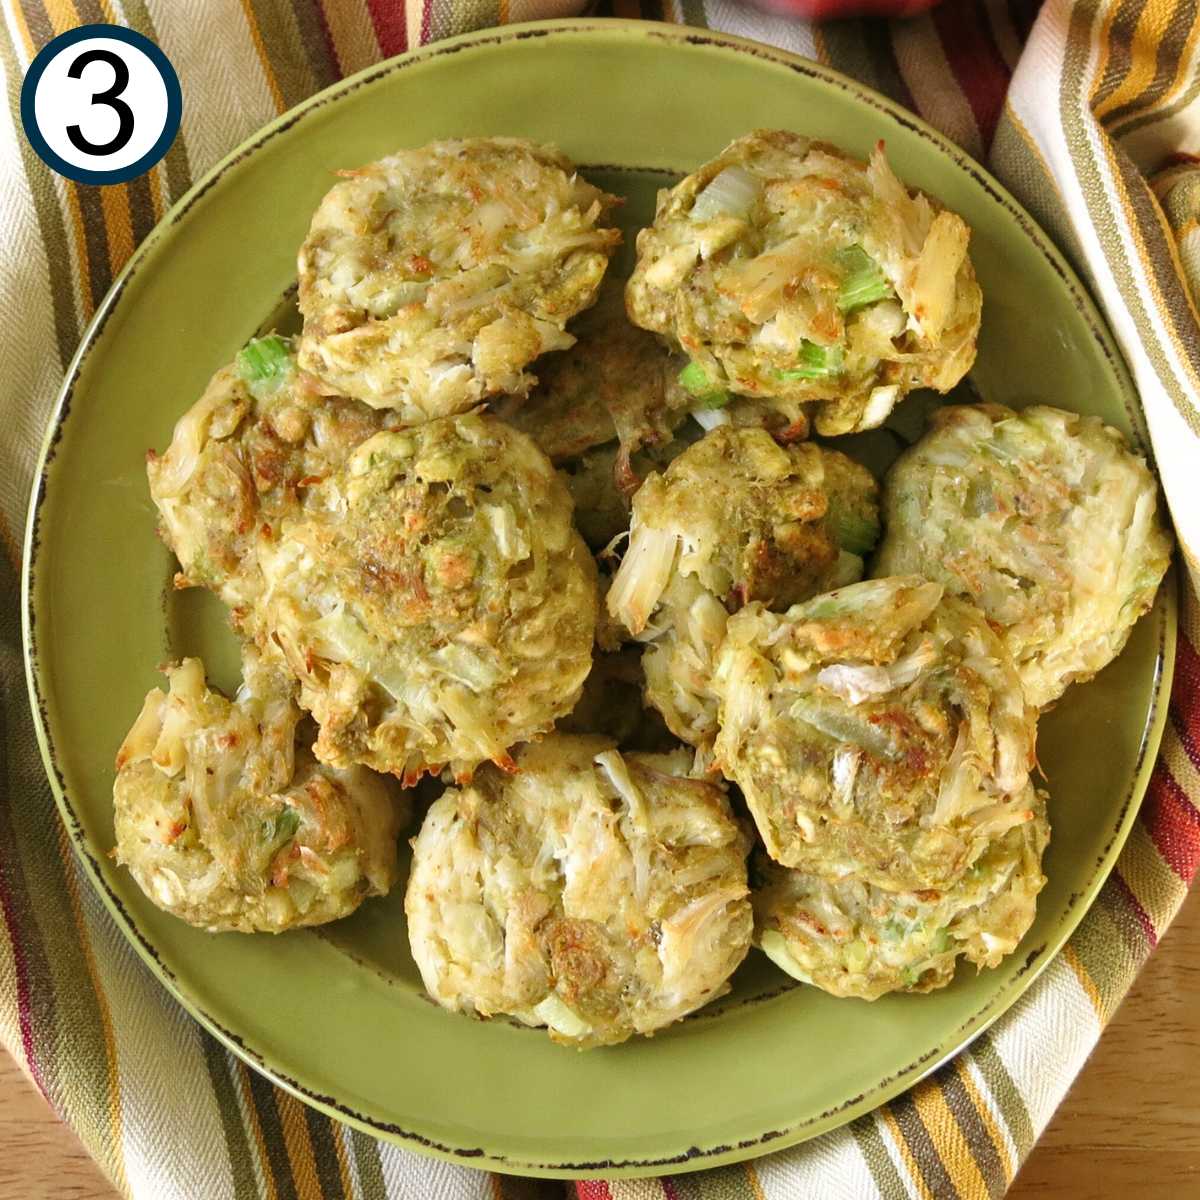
x=60 y=102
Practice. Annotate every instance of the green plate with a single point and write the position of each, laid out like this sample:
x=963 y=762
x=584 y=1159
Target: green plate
x=338 y=1017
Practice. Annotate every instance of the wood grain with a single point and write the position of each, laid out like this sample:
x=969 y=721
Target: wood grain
x=40 y=1158
x=1130 y=1126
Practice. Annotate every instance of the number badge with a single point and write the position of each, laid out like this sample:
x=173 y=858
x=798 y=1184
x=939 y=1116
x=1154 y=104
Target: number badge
x=101 y=104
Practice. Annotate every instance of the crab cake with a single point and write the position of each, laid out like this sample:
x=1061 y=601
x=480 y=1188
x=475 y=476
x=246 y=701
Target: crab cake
x=853 y=939
x=597 y=894
x=435 y=602
x=226 y=821
x=429 y=280
x=615 y=383
x=794 y=274
x=1045 y=520
x=611 y=705
x=601 y=508
x=605 y=412
x=243 y=457
x=603 y=481
x=734 y=518
x=878 y=731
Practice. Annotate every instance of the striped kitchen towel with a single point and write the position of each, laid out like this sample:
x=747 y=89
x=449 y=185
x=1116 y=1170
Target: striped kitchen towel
x=1087 y=109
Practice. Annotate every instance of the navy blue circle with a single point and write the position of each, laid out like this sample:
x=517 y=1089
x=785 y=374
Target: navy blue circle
x=116 y=33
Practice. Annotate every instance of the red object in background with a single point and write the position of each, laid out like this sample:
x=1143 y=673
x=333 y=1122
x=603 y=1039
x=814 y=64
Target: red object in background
x=824 y=10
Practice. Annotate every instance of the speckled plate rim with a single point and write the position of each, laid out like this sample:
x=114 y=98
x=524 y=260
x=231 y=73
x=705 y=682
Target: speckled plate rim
x=697 y=1158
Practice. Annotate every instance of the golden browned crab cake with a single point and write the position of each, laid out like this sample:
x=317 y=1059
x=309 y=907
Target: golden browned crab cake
x=243 y=457
x=603 y=481
x=878 y=731
x=434 y=602
x=597 y=894
x=612 y=705
x=734 y=518
x=226 y=821
x=431 y=279
x=615 y=383
x=606 y=412
x=601 y=508
x=1045 y=520
x=853 y=939
x=794 y=274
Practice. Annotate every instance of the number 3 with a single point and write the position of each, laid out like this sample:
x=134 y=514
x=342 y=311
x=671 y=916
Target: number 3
x=110 y=97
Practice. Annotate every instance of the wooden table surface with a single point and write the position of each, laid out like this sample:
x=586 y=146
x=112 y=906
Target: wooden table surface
x=1130 y=1127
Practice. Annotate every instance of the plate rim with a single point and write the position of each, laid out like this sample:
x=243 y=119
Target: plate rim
x=696 y=1158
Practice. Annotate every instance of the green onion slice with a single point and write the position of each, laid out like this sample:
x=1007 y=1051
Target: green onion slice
x=265 y=360
x=863 y=283
x=282 y=828
x=695 y=381
x=816 y=362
